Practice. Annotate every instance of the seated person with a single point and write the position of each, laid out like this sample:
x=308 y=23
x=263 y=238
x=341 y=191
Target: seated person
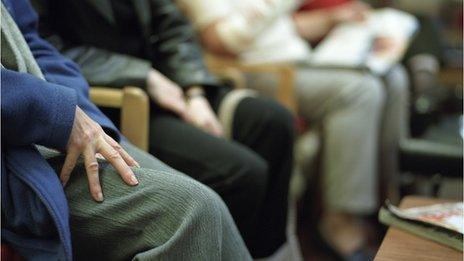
x=353 y=107
x=314 y=20
x=160 y=214
x=246 y=159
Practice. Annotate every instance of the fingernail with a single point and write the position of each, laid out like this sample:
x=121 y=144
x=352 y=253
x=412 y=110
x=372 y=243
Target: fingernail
x=134 y=180
x=100 y=196
x=137 y=164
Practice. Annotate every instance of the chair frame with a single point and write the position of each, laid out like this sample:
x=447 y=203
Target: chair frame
x=135 y=111
x=285 y=72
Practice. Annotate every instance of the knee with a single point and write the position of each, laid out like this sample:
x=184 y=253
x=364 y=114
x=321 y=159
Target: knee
x=206 y=200
x=194 y=197
x=278 y=120
x=397 y=83
x=282 y=120
x=202 y=210
x=175 y=199
x=245 y=181
x=251 y=175
x=372 y=92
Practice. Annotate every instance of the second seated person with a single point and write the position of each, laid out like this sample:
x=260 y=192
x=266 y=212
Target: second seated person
x=246 y=159
x=354 y=107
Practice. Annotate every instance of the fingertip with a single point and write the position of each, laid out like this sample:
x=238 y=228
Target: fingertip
x=134 y=180
x=99 y=197
x=63 y=178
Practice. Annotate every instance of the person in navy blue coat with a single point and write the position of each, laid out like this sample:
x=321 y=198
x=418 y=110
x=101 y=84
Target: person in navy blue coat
x=51 y=130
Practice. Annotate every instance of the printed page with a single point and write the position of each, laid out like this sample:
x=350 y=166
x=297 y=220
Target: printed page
x=449 y=215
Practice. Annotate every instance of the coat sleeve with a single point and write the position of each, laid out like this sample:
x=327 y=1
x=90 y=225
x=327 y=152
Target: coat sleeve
x=34 y=111
x=105 y=68
x=55 y=67
x=99 y=66
x=176 y=52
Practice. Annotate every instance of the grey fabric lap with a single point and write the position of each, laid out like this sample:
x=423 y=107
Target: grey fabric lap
x=168 y=216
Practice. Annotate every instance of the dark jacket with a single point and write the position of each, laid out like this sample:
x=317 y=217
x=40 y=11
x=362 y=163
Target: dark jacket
x=35 y=219
x=92 y=34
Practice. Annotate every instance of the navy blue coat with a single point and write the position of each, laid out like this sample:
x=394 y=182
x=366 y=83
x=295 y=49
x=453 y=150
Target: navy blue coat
x=35 y=218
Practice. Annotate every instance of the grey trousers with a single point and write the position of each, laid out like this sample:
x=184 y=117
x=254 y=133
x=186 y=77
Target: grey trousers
x=168 y=216
x=363 y=118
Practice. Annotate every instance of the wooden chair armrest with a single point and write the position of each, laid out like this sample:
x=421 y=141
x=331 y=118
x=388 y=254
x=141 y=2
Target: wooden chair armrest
x=286 y=85
x=232 y=74
x=135 y=110
x=285 y=72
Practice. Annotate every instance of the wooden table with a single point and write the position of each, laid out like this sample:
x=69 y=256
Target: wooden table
x=400 y=245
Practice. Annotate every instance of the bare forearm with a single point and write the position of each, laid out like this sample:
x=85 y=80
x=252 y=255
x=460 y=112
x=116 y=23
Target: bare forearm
x=314 y=25
x=213 y=42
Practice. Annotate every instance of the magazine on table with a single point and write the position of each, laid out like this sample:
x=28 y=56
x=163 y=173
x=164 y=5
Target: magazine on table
x=443 y=223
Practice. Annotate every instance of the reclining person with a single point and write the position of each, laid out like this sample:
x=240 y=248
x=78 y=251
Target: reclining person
x=160 y=214
x=246 y=158
x=350 y=105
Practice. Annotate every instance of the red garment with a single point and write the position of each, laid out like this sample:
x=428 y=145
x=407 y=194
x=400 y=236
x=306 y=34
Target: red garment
x=320 y=4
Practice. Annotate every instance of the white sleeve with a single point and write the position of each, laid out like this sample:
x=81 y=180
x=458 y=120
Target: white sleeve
x=239 y=29
x=239 y=23
x=203 y=12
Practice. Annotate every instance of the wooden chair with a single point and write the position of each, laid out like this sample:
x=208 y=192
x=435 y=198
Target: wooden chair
x=285 y=72
x=135 y=111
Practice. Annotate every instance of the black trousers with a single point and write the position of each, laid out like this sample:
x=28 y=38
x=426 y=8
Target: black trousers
x=251 y=173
